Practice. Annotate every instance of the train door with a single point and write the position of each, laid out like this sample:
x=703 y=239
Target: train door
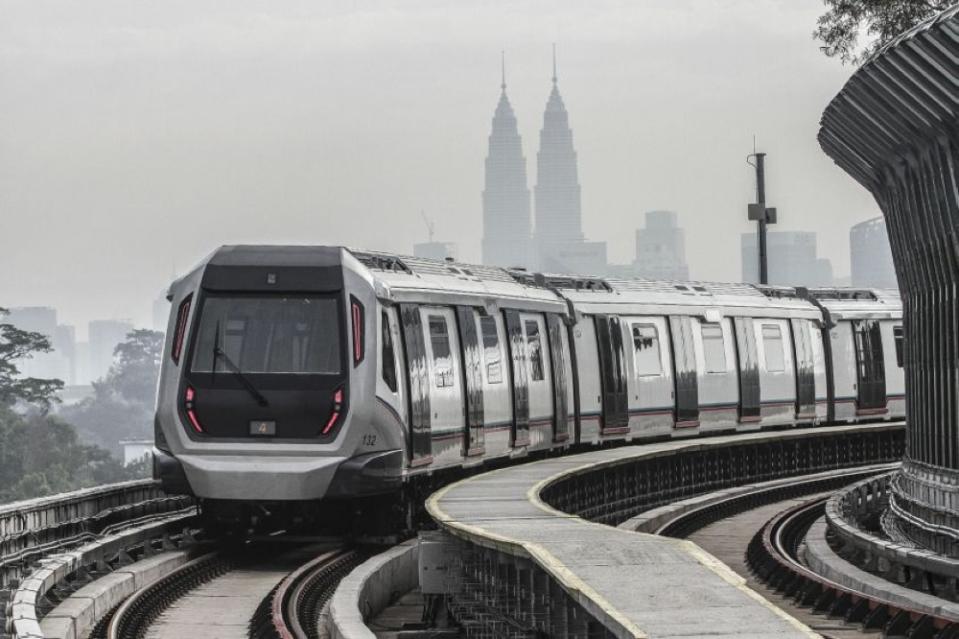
x=870 y=371
x=892 y=348
x=446 y=383
x=589 y=388
x=718 y=386
x=391 y=385
x=821 y=373
x=805 y=369
x=417 y=385
x=749 y=393
x=684 y=372
x=842 y=358
x=609 y=340
x=651 y=387
x=540 y=376
x=562 y=373
x=776 y=371
x=520 y=380
x=473 y=379
x=497 y=392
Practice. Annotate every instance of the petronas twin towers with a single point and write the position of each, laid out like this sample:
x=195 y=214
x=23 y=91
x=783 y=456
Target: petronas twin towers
x=556 y=243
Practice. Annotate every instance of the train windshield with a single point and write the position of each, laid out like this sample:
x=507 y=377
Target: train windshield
x=269 y=334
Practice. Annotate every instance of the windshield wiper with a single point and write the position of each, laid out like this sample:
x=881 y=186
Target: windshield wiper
x=257 y=395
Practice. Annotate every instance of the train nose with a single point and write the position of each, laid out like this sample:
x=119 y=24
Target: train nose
x=273 y=478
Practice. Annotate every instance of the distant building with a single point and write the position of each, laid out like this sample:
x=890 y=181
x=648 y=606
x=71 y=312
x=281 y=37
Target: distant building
x=60 y=363
x=136 y=450
x=506 y=209
x=870 y=255
x=792 y=259
x=578 y=258
x=558 y=235
x=104 y=337
x=661 y=248
x=435 y=250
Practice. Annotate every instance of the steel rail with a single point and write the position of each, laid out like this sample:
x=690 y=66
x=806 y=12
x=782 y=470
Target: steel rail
x=134 y=616
x=292 y=609
x=773 y=555
x=686 y=523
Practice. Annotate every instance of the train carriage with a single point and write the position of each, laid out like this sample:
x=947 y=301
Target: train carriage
x=304 y=373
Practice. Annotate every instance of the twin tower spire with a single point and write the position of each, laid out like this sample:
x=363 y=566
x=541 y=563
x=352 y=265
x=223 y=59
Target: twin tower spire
x=509 y=235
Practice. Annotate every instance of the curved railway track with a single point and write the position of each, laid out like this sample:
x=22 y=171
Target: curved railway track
x=292 y=610
x=687 y=522
x=774 y=556
x=134 y=616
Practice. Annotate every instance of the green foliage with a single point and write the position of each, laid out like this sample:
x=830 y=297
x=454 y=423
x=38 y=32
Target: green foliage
x=845 y=21
x=133 y=376
x=41 y=455
x=122 y=405
x=16 y=344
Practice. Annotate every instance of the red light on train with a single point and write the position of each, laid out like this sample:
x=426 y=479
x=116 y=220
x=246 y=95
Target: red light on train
x=190 y=413
x=337 y=408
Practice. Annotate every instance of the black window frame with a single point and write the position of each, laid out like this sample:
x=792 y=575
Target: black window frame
x=267 y=379
x=899 y=342
x=447 y=378
x=485 y=322
x=537 y=372
x=782 y=348
x=655 y=340
x=388 y=353
x=707 y=365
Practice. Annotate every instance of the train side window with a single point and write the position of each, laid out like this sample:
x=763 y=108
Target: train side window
x=534 y=348
x=714 y=349
x=899 y=336
x=388 y=355
x=773 y=345
x=491 y=350
x=646 y=350
x=442 y=358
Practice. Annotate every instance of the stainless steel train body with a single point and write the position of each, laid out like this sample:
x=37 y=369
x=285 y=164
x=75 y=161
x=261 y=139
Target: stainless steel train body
x=304 y=373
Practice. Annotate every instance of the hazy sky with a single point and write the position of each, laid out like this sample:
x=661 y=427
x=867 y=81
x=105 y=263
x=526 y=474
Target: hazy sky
x=136 y=136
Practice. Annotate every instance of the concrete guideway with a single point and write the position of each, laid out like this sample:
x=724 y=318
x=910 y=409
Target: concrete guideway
x=634 y=584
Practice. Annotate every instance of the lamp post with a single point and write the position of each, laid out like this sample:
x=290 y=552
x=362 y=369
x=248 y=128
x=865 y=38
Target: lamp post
x=761 y=213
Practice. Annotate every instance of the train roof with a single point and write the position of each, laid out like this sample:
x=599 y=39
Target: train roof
x=402 y=278
x=858 y=303
x=409 y=278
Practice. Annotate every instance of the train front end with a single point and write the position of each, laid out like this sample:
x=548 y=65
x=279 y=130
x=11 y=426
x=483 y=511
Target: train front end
x=268 y=380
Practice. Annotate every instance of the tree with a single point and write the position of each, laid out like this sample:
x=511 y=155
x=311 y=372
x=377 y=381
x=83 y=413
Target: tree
x=16 y=344
x=840 y=28
x=122 y=405
x=133 y=375
x=41 y=455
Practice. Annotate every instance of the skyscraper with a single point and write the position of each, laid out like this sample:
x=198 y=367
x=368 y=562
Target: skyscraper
x=104 y=337
x=559 y=228
x=506 y=210
x=870 y=255
x=661 y=247
x=793 y=259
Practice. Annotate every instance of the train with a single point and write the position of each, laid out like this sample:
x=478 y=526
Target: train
x=316 y=374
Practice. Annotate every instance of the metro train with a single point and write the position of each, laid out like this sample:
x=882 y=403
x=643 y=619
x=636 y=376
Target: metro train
x=314 y=373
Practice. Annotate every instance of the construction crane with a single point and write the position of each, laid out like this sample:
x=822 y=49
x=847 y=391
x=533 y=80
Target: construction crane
x=430 y=226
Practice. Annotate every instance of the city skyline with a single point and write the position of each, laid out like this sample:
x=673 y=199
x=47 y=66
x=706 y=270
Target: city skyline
x=303 y=167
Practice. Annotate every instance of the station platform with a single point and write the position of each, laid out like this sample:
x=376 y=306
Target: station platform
x=634 y=584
